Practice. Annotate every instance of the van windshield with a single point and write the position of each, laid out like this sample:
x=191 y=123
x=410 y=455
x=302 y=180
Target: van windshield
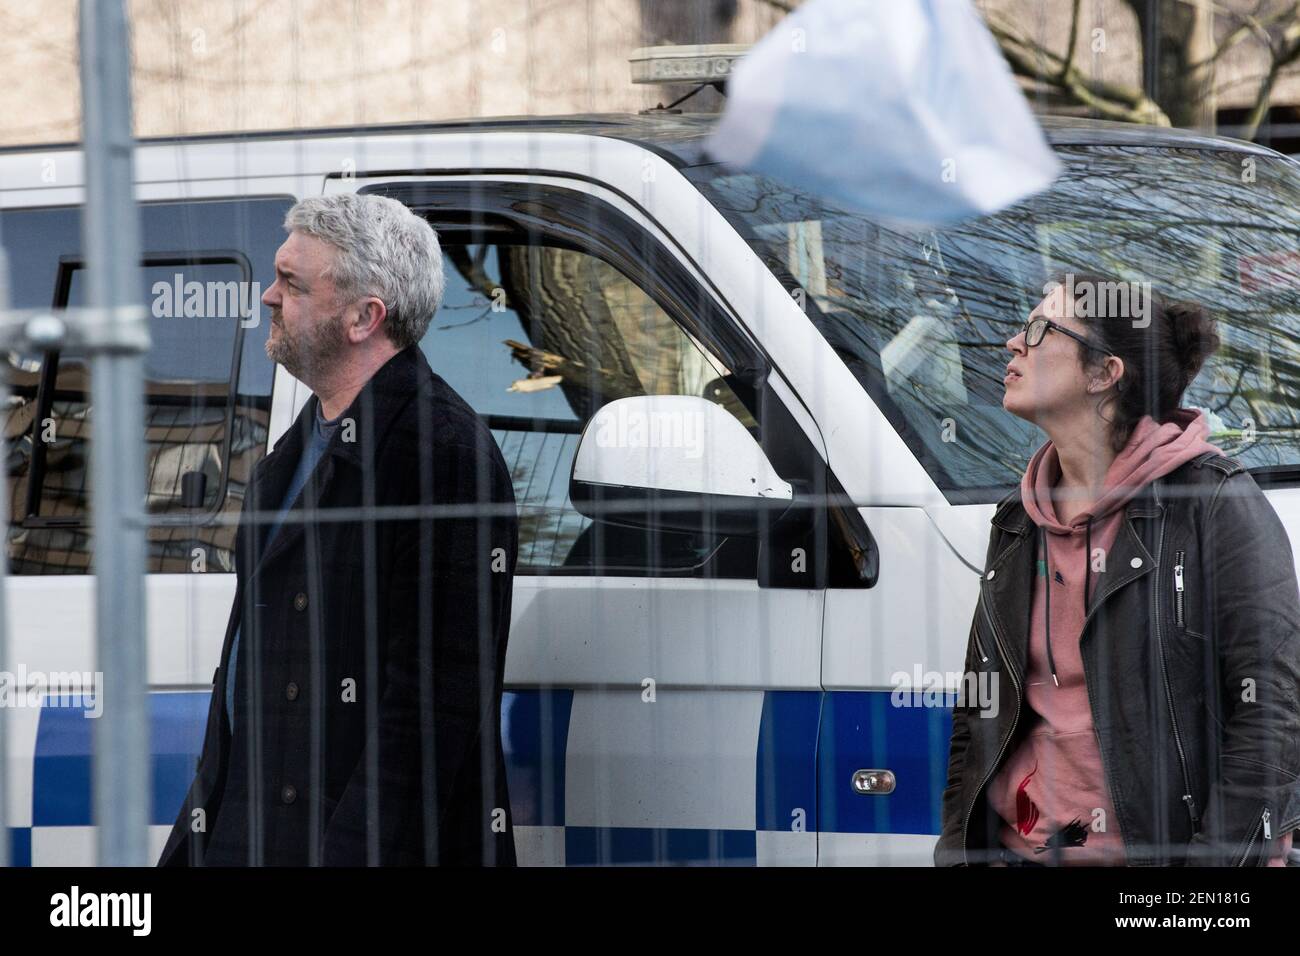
x=922 y=317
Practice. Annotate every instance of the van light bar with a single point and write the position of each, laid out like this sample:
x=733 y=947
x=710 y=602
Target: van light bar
x=698 y=63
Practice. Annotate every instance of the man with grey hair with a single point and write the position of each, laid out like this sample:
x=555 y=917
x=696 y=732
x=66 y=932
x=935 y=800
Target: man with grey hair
x=355 y=716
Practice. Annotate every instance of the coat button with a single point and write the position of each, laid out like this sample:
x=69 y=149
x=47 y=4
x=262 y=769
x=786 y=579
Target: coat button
x=989 y=576
x=288 y=794
x=1136 y=562
x=299 y=601
x=291 y=691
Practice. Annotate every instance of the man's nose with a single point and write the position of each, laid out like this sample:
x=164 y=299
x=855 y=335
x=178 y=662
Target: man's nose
x=272 y=295
x=1017 y=343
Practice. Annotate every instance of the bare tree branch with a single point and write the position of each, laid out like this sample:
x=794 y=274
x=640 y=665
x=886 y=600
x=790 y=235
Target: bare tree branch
x=1074 y=38
x=1283 y=55
x=1111 y=100
x=1249 y=26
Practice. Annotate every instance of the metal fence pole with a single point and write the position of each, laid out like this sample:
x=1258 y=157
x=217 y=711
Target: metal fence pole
x=4 y=604
x=111 y=246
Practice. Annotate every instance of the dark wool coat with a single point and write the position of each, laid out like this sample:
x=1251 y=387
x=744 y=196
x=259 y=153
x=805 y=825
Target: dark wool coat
x=371 y=654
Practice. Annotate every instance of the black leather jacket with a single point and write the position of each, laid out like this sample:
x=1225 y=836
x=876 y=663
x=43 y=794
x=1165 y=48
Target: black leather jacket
x=1195 y=693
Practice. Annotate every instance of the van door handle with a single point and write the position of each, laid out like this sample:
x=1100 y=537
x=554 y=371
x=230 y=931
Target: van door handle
x=873 y=782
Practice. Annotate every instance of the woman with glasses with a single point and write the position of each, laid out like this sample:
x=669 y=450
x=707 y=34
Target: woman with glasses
x=1139 y=609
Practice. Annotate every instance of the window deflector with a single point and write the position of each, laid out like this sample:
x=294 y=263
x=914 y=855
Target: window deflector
x=46 y=391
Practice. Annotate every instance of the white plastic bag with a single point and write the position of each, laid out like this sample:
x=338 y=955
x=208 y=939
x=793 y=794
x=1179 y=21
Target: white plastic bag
x=901 y=109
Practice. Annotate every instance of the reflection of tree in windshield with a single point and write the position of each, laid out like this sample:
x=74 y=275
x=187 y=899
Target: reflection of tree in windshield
x=923 y=319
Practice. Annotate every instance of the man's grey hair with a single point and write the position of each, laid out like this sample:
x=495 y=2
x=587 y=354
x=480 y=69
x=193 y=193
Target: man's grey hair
x=384 y=250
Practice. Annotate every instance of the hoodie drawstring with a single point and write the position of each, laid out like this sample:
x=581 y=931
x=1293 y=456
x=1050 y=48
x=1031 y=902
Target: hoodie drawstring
x=1087 y=566
x=1047 y=588
x=1047 y=610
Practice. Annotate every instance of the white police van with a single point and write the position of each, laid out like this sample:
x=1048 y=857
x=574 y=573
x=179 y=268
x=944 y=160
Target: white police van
x=715 y=687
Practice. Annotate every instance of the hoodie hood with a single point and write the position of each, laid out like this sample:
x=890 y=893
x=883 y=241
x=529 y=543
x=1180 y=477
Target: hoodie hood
x=1154 y=449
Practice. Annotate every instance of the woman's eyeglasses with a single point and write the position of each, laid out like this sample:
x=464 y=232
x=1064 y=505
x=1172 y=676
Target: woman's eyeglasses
x=1037 y=328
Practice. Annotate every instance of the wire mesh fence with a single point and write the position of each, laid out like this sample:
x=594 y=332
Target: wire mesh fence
x=684 y=528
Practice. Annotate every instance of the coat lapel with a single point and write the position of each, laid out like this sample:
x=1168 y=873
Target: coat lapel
x=371 y=413
x=1129 y=557
x=271 y=482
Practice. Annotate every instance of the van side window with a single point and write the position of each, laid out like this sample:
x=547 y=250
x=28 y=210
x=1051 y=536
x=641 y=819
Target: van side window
x=207 y=383
x=537 y=338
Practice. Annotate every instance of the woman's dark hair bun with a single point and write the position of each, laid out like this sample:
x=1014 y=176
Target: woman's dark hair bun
x=1193 y=335
x=1161 y=355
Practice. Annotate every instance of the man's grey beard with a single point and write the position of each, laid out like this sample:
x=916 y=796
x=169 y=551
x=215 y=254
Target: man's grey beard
x=306 y=357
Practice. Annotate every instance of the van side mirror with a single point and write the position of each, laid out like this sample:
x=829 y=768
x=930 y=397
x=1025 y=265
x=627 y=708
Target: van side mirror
x=674 y=462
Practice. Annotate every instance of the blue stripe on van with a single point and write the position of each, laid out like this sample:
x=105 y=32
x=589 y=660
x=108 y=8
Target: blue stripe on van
x=62 y=793
x=535 y=737
x=809 y=745
x=604 y=846
x=20 y=846
x=61 y=782
x=785 y=788
x=535 y=730
x=865 y=730
x=177 y=722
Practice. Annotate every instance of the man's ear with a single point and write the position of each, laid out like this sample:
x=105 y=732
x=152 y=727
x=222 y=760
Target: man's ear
x=371 y=313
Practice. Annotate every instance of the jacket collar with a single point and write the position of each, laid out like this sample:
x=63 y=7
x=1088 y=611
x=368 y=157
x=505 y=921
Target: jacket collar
x=368 y=416
x=1011 y=515
x=379 y=401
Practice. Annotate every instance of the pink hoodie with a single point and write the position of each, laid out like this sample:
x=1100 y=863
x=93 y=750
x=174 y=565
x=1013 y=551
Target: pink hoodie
x=1051 y=791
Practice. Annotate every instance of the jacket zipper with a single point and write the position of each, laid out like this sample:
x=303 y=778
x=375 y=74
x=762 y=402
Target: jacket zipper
x=1264 y=825
x=1015 y=716
x=1169 y=694
x=1178 y=589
